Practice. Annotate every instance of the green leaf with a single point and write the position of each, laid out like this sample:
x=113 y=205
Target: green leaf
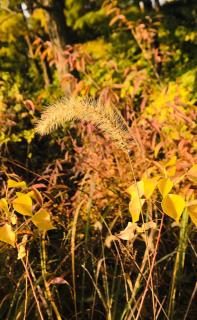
x=165 y=185
x=16 y=184
x=149 y=186
x=135 y=207
x=7 y=235
x=173 y=205
x=23 y=204
x=42 y=220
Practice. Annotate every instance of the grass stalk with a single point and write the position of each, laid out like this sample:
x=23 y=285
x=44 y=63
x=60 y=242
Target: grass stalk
x=73 y=235
x=179 y=264
x=44 y=273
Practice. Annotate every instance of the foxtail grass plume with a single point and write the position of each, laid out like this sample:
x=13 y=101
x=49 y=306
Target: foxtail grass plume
x=106 y=118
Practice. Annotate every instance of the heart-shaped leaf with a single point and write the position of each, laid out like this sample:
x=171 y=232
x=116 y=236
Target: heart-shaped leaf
x=165 y=185
x=173 y=205
x=23 y=204
x=149 y=186
x=42 y=220
x=7 y=234
x=136 y=188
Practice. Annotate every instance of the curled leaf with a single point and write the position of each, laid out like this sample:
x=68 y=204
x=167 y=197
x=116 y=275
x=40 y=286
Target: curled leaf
x=146 y=226
x=135 y=207
x=21 y=248
x=128 y=233
x=109 y=240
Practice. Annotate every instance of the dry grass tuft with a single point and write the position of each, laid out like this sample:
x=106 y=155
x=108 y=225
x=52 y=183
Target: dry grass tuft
x=107 y=119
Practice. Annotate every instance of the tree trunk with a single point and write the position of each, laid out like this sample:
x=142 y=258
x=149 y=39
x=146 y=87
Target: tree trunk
x=59 y=33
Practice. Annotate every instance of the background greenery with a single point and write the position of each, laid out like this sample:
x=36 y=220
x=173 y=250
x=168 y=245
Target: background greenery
x=142 y=60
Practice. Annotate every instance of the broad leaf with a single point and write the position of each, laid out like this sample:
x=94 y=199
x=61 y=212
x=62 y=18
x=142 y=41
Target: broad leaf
x=135 y=207
x=42 y=220
x=165 y=185
x=136 y=188
x=192 y=173
x=4 y=205
x=7 y=235
x=149 y=186
x=171 y=171
x=171 y=162
x=192 y=210
x=23 y=204
x=173 y=205
x=16 y=184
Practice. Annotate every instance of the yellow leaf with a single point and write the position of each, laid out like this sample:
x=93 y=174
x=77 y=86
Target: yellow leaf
x=23 y=204
x=16 y=184
x=21 y=252
x=4 y=205
x=173 y=205
x=149 y=186
x=42 y=220
x=13 y=219
x=36 y=195
x=22 y=249
x=135 y=207
x=192 y=173
x=171 y=162
x=165 y=185
x=7 y=235
x=171 y=171
x=192 y=210
x=136 y=188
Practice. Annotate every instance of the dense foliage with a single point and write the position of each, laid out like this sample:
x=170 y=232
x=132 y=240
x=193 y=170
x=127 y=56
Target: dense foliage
x=89 y=231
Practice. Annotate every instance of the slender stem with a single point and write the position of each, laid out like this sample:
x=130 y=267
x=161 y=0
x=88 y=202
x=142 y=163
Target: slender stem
x=74 y=228
x=179 y=263
x=44 y=272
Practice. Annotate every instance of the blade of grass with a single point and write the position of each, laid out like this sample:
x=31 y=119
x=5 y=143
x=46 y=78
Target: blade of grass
x=73 y=235
x=179 y=264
